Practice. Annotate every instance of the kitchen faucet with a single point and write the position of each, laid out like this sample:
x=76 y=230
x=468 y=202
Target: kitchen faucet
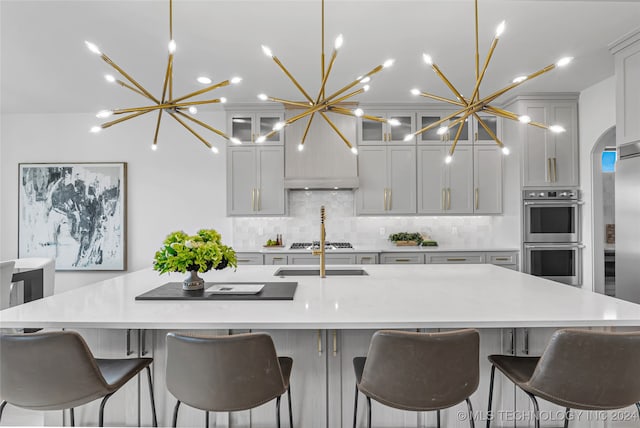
x=321 y=252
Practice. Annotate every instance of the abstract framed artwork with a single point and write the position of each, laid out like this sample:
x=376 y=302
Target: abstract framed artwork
x=74 y=213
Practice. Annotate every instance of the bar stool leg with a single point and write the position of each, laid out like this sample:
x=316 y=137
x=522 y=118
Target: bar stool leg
x=355 y=409
x=536 y=410
x=4 y=403
x=206 y=419
x=101 y=413
x=153 y=401
x=290 y=407
x=369 y=410
x=72 y=416
x=567 y=413
x=175 y=414
x=472 y=422
x=438 y=417
x=637 y=405
x=489 y=415
x=278 y=411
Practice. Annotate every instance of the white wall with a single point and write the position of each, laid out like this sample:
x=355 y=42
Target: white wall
x=179 y=186
x=596 y=113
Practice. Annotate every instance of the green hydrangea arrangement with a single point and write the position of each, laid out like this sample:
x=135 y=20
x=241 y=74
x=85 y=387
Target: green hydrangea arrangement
x=201 y=252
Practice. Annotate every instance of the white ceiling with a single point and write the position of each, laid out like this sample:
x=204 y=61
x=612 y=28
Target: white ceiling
x=45 y=67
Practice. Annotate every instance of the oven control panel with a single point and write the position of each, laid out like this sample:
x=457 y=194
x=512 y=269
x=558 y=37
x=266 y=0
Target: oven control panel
x=559 y=194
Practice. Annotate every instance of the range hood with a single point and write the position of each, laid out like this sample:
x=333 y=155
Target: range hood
x=326 y=162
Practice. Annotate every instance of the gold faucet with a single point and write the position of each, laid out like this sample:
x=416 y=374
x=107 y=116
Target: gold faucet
x=321 y=252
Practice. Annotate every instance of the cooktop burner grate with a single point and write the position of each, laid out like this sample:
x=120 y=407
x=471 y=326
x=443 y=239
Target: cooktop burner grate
x=316 y=244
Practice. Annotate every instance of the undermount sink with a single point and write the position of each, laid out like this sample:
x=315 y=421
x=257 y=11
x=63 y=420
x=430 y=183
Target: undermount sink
x=316 y=272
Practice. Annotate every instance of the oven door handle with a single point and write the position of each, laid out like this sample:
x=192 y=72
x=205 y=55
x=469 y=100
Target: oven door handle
x=552 y=246
x=559 y=203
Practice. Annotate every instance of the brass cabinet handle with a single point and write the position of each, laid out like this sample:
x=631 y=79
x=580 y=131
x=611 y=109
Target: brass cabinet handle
x=365 y=258
x=503 y=259
x=385 y=198
x=253 y=199
x=555 y=171
x=319 y=342
x=477 y=198
x=278 y=258
x=335 y=343
x=389 y=201
x=448 y=198
x=444 y=204
x=258 y=199
x=476 y=136
x=549 y=170
x=243 y=260
x=454 y=259
x=403 y=260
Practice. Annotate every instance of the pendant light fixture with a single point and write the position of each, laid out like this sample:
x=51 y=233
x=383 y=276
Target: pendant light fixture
x=470 y=106
x=322 y=103
x=179 y=108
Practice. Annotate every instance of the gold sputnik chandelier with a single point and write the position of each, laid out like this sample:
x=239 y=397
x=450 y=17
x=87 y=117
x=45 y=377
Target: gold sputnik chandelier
x=470 y=106
x=322 y=103
x=179 y=108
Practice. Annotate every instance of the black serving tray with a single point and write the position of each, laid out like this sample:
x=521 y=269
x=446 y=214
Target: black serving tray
x=174 y=291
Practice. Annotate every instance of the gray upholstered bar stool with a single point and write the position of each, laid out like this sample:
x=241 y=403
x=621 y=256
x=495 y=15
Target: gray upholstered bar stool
x=57 y=371
x=226 y=373
x=419 y=371
x=579 y=369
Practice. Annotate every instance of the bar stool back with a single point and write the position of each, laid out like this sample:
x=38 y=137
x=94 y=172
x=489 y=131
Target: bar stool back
x=6 y=271
x=226 y=373
x=419 y=371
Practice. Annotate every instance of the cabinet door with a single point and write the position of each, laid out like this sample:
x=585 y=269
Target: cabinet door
x=465 y=134
x=330 y=259
x=481 y=135
x=455 y=258
x=241 y=180
x=372 y=170
x=431 y=180
x=564 y=158
x=401 y=173
x=536 y=159
x=249 y=258
x=430 y=136
x=401 y=258
x=366 y=259
x=264 y=123
x=269 y=199
x=371 y=131
x=397 y=133
x=275 y=259
x=460 y=182
x=487 y=171
x=242 y=127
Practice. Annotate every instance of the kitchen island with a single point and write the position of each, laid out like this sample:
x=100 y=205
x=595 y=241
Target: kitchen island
x=329 y=321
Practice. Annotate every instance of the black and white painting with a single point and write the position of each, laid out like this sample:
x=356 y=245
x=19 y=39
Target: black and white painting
x=74 y=213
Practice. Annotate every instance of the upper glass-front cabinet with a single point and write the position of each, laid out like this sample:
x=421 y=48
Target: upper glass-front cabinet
x=481 y=135
x=375 y=132
x=248 y=127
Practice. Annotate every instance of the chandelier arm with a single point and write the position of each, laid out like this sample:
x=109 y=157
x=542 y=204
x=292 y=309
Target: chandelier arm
x=479 y=78
x=124 y=74
x=512 y=116
x=436 y=123
x=354 y=83
x=293 y=79
x=489 y=131
x=446 y=81
x=188 y=128
x=326 y=75
x=289 y=102
x=499 y=92
x=122 y=119
x=204 y=125
x=335 y=128
x=331 y=103
x=155 y=135
x=200 y=91
x=167 y=78
x=165 y=105
x=306 y=129
x=125 y=85
x=439 y=98
x=458 y=133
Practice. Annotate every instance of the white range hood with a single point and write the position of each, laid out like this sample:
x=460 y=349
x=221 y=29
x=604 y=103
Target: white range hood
x=326 y=162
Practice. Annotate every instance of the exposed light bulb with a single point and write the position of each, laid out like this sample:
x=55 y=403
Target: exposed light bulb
x=415 y=91
x=236 y=80
x=93 y=48
x=557 y=129
x=354 y=150
x=109 y=78
x=519 y=79
x=442 y=130
x=524 y=119
x=154 y=147
x=427 y=59
x=223 y=100
x=95 y=129
x=408 y=137
x=338 y=42
x=261 y=139
x=300 y=147
x=448 y=159
x=358 y=112
x=393 y=122
x=366 y=87
x=388 y=63
x=365 y=80
x=193 y=110
x=267 y=51
x=235 y=140
x=500 y=29
x=204 y=80
x=278 y=126
x=172 y=46
x=263 y=97
x=215 y=150
x=564 y=61
x=506 y=151
x=102 y=114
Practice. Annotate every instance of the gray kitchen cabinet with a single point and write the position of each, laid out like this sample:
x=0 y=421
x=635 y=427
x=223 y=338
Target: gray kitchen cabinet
x=247 y=126
x=376 y=133
x=330 y=259
x=487 y=179
x=401 y=258
x=276 y=259
x=481 y=135
x=455 y=257
x=367 y=259
x=445 y=188
x=507 y=259
x=626 y=53
x=255 y=181
x=426 y=118
x=549 y=159
x=387 y=180
x=249 y=258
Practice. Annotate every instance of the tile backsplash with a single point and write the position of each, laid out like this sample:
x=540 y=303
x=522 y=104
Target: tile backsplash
x=303 y=224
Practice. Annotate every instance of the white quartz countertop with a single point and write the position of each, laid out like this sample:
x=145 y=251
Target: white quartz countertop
x=416 y=296
x=390 y=248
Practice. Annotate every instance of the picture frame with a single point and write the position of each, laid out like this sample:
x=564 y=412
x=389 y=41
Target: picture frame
x=74 y=213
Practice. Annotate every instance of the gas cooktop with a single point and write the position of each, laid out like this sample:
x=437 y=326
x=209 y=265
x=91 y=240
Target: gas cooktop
x=316 y=245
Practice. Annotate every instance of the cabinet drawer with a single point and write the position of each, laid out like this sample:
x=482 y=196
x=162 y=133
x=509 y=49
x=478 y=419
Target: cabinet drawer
x=455 y=258
x=401 y=258
x=275 y=259
x=249 y=258
x=366 y=259
x=330 y=259
x=502 y=258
